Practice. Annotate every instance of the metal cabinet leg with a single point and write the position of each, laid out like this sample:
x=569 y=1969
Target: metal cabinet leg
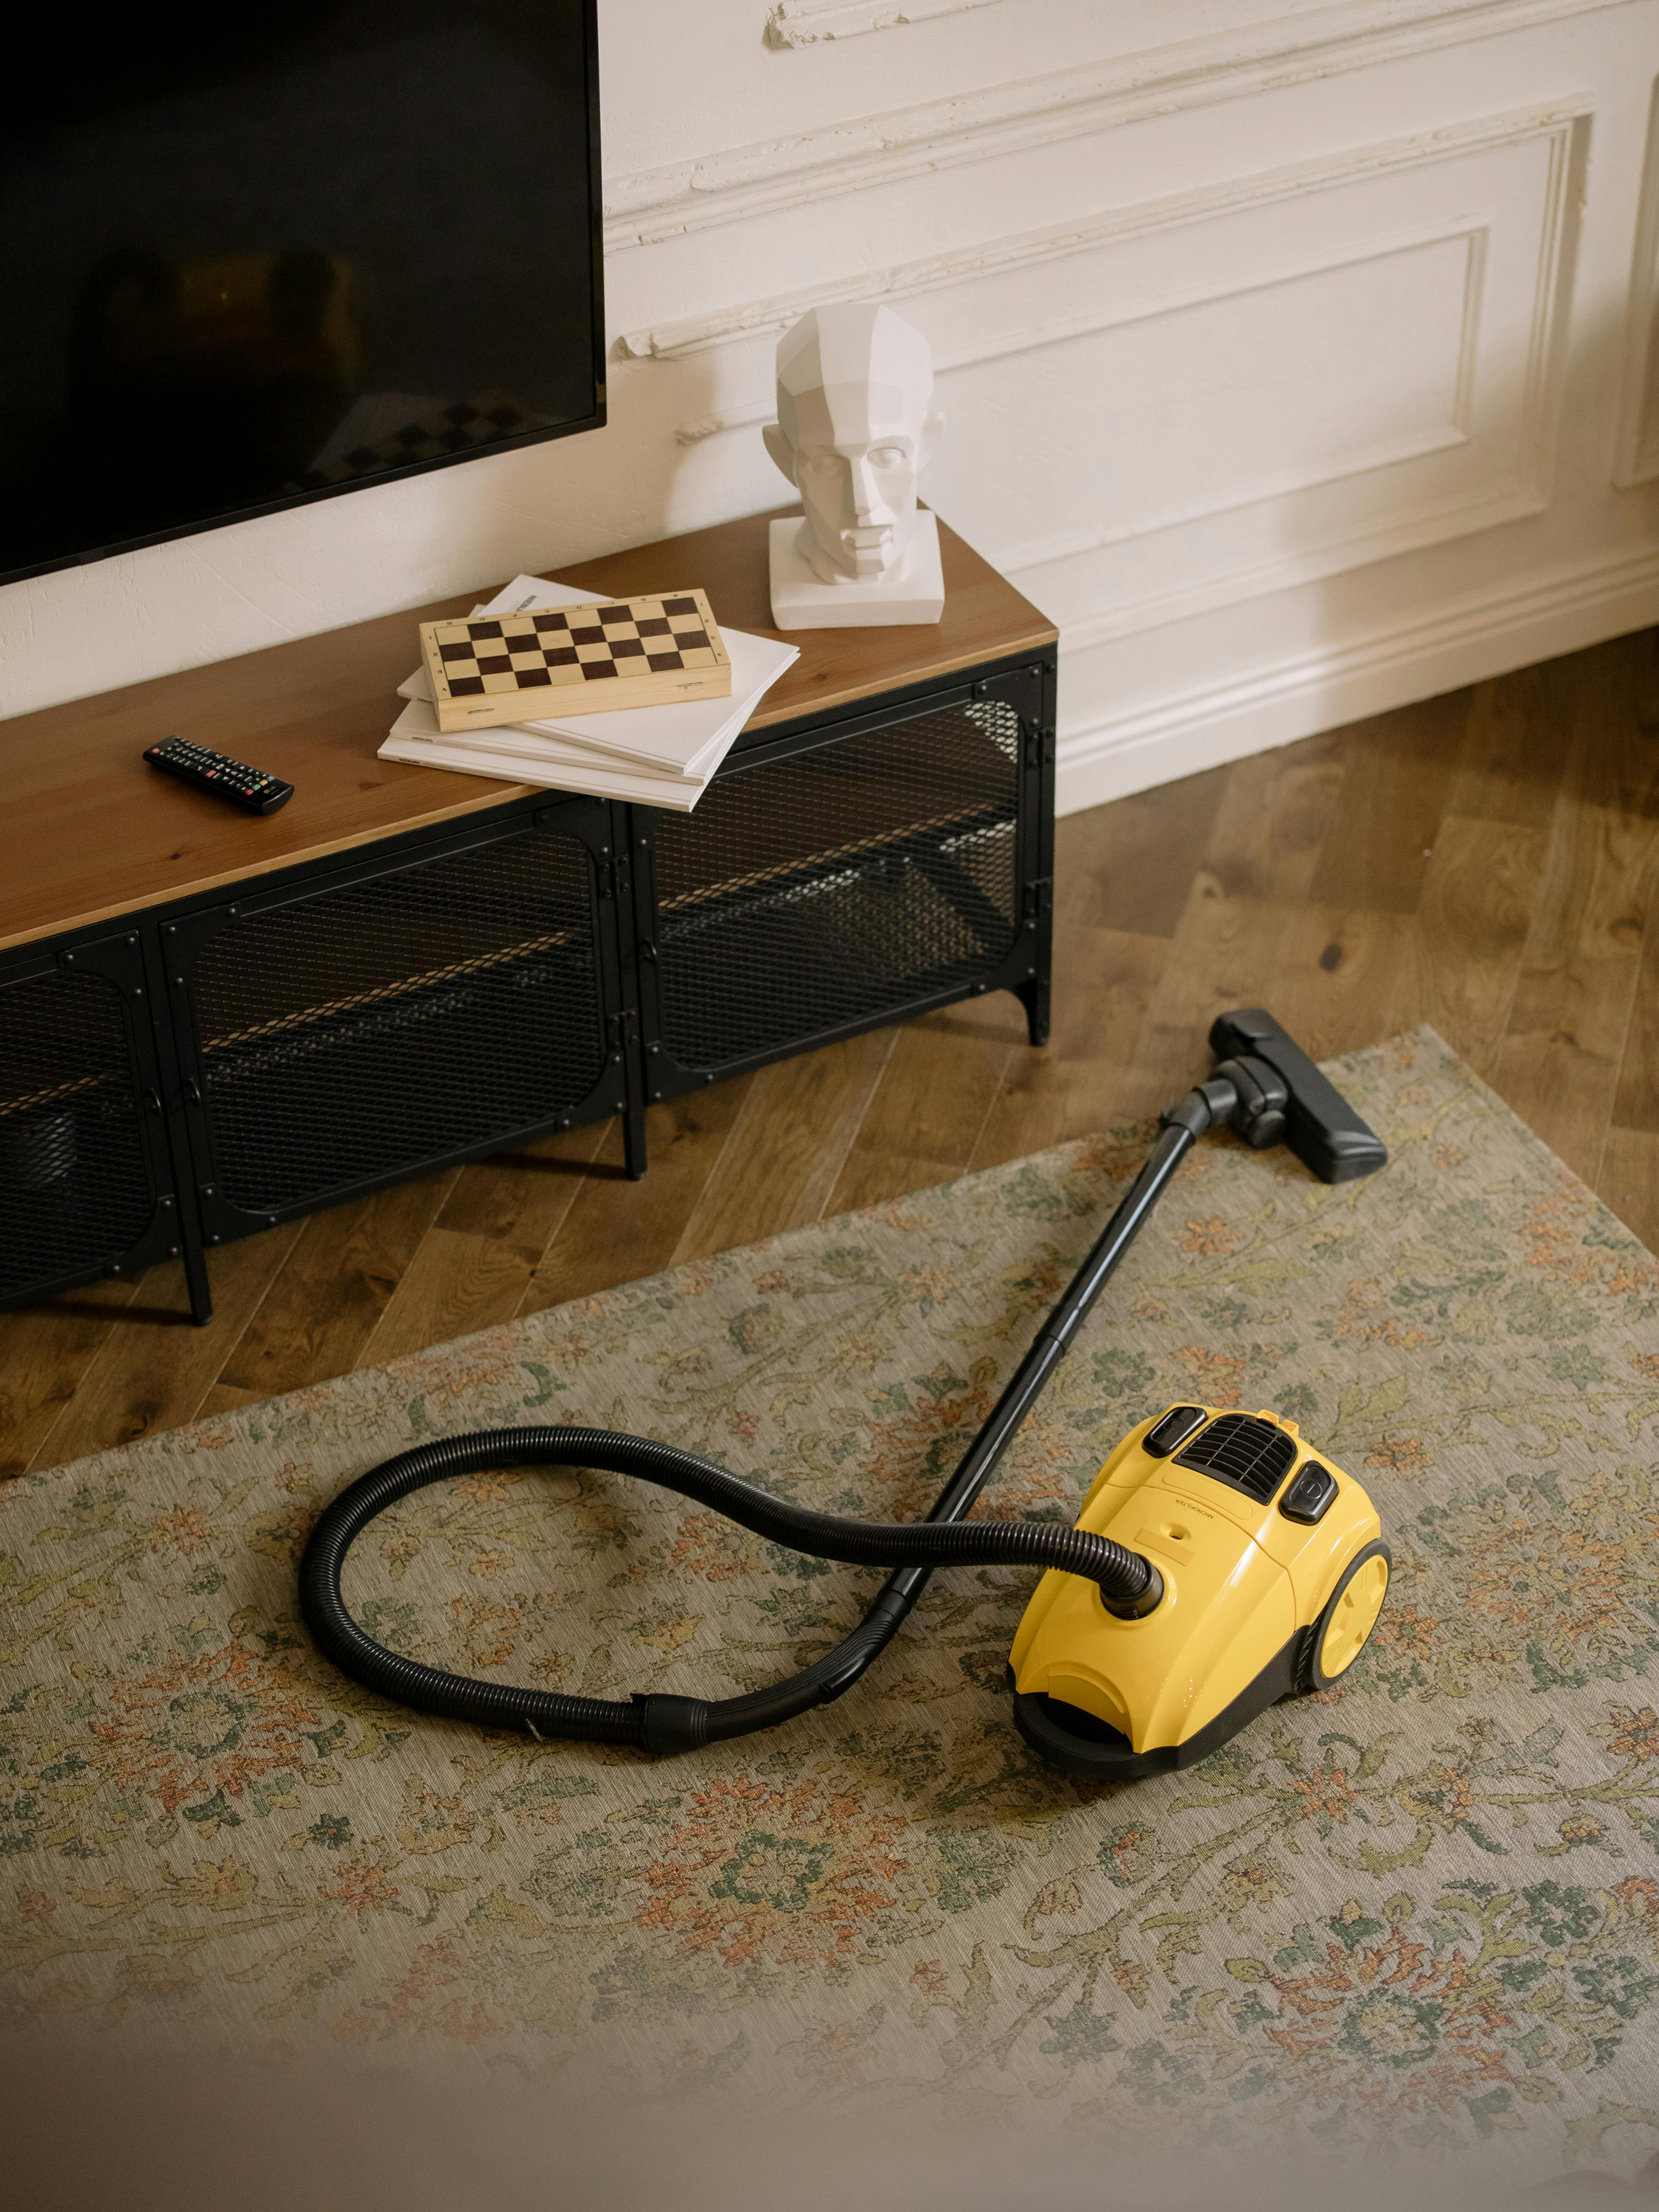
x=197 y=1282
x=1034 y=995
x=633 y=1132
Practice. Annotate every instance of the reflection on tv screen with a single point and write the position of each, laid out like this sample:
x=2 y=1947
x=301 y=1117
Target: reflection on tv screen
x=248 y=258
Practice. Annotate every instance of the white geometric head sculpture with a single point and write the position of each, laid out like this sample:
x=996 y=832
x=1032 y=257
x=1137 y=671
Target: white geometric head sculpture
x=856 y=426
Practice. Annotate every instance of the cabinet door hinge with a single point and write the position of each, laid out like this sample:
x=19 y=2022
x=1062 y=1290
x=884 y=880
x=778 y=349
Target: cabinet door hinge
x=1039 y=897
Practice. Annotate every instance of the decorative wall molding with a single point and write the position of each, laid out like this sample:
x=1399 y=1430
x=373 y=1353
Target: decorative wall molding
x=1637 y=456
x=1525 y=489
x=997 y=345
x=649 y=205
x=1573 y=606
x=1345 y=552
x=809 y=22
x=1004 y=345
x=905 y=280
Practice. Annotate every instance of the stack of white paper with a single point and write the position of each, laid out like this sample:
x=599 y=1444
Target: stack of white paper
x=659 y=756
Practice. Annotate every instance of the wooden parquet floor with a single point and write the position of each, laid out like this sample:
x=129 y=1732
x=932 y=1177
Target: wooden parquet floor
x=1487 y=861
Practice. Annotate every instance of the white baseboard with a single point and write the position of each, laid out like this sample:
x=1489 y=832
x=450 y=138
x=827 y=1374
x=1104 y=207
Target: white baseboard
x=1282 y=701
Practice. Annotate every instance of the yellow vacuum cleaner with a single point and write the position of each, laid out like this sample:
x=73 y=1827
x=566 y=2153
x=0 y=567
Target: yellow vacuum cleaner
x=1270 y=1573
x=1218 y=1563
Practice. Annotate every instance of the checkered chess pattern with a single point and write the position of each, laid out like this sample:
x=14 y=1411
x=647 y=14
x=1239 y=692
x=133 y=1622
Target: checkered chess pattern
x=457 y=430
x=578 y=645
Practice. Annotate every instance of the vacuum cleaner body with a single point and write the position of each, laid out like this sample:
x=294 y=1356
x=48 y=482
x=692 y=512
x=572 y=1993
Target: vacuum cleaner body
x=1272 y=1571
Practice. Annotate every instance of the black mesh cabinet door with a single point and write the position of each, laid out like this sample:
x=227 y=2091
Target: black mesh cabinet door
x=842 y=879
x=357 y=1027
x=86 y=1185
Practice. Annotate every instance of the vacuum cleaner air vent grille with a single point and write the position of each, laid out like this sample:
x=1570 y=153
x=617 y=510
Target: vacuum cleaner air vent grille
x=1249 y=1455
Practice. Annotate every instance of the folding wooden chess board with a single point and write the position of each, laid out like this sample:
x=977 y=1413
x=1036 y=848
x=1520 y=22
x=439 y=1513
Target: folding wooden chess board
x=575 y=660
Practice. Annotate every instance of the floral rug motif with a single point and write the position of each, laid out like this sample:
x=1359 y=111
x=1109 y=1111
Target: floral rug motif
x=1423 y=1908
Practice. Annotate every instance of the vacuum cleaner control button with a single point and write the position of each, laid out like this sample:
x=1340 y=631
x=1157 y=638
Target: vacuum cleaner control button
x=1173 y=1431
x=1310 y=1497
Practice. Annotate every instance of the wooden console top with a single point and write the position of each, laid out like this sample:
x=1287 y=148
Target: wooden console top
x=88 y=833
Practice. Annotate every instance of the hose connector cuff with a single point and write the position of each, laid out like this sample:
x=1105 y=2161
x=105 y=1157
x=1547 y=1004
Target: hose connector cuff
x=671 y=1724
x=1205 y=1104
x=1137 y=1608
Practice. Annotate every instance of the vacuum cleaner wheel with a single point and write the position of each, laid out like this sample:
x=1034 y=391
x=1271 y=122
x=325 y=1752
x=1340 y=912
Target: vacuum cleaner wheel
x=1338 y=1635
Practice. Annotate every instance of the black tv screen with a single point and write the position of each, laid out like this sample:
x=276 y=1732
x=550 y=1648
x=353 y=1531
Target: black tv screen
x=257 y=256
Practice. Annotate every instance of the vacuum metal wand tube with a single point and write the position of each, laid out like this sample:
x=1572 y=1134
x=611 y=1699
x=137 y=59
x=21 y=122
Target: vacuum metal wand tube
x=829 y=1677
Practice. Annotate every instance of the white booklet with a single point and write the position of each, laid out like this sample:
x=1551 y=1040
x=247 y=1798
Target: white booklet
x=690 y=739
x=416 y=738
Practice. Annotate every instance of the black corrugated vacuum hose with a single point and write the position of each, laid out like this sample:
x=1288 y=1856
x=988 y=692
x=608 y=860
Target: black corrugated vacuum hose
x=1129 y=1583
x=657 y=1723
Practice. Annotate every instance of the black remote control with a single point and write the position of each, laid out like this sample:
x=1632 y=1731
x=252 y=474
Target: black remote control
x=250 y=788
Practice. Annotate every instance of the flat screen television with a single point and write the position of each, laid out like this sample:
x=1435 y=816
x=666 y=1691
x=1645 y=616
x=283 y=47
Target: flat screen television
x=251 y=256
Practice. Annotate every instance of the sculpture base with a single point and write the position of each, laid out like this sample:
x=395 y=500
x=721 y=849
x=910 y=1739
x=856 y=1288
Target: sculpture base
x=915 y=592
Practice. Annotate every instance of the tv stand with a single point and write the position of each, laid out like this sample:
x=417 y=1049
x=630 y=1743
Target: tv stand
x=210 y=1022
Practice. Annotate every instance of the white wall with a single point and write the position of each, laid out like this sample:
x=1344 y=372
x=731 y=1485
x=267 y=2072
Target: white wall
x=1300 y=358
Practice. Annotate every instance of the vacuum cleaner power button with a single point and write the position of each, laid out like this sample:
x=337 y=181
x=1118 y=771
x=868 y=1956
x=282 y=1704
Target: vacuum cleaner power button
x=1310 y=1497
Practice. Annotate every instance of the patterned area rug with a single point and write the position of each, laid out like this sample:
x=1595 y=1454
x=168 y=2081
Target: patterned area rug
x=1423 y=1908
